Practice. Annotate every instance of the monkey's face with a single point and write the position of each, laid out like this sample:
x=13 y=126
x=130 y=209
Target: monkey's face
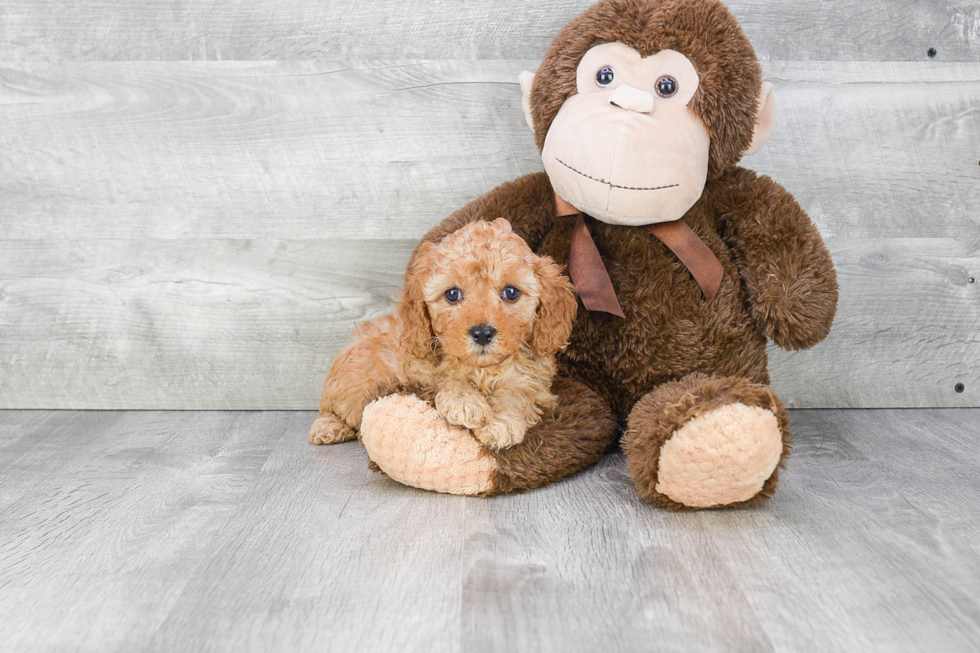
x=626 y=149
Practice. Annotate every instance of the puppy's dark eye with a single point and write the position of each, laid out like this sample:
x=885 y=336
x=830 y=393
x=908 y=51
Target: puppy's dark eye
x=511 y=294
x=666 y=86
x=453 y=295
x=604 y=77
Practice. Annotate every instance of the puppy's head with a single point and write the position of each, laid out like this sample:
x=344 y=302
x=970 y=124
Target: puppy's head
x=481 y=295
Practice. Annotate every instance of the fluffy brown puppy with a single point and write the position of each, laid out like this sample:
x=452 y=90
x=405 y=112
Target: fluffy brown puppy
x=642 y=109
x=478 y=324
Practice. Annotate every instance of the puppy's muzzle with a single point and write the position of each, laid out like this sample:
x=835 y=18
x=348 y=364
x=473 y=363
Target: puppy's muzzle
x=482 y=334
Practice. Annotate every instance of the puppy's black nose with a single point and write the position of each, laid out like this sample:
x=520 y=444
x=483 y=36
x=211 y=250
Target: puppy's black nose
x=482 y=334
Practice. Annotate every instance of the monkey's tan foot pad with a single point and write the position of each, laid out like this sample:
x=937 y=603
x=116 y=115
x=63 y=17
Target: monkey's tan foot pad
x=721 y=457
x=330 y=429
x=408 y=440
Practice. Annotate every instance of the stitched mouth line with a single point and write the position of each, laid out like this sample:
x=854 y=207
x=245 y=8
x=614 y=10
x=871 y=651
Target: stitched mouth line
x=609 y=183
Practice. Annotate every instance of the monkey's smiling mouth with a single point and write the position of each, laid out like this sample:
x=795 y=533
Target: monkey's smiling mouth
x=609 y=183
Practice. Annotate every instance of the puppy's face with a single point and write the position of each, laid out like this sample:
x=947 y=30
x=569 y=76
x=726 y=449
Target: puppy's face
x=483 y=290
x=482 y=294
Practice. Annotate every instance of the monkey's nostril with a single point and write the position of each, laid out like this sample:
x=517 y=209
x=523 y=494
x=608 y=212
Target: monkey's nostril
x=632 y=99
x=482 y=334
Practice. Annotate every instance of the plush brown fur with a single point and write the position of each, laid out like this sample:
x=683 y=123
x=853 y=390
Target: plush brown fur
x=574 y=436
x=652 y=368
x=570 y=438
x=704 y=30
x=498 y=390
x=655 y=418
x=779 y=278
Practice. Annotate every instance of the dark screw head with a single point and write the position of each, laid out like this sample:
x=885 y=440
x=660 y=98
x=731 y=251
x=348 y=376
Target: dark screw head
x=973 y=280
x=482 y=334
x=959 y=387
x=932 y=52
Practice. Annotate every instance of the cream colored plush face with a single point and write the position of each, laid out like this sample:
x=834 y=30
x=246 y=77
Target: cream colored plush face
x=622 y=152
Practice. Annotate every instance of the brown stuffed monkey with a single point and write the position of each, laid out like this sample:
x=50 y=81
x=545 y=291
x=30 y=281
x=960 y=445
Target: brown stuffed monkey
x=684 y=261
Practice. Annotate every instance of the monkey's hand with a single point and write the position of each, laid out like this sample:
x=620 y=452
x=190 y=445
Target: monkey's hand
x=782 y=260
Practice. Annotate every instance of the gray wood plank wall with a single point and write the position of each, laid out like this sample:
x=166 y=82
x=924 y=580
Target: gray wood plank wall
x=186 y=233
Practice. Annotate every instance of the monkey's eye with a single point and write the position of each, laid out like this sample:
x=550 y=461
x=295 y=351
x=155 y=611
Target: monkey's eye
x=605 y=76
x=666 y=86
x=510 y=294
x=453 y=295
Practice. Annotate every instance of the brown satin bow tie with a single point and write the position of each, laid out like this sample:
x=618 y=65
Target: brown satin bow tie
x=592 y=281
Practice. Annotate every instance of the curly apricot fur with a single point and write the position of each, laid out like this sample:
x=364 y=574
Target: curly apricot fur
x=497 y=390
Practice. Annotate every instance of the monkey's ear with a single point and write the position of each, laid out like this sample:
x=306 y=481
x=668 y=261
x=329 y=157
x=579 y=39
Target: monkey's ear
x=765 y=120
x=527 y=81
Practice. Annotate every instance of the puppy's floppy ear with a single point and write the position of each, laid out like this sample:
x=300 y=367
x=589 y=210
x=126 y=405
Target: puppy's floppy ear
x=417 y=333
x=556 y=310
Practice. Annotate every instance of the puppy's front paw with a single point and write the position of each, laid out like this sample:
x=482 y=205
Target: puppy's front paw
x=330 y=429
x=466 y=409
x=500 y=434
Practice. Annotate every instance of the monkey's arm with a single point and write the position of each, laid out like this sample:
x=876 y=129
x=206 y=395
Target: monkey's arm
x=527 y=202
x=407 y=439
x=781 y=258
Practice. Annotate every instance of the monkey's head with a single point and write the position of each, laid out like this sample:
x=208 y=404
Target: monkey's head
x=638 y=103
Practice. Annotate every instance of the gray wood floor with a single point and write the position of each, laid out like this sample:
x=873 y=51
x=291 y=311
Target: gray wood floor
x=129 y=531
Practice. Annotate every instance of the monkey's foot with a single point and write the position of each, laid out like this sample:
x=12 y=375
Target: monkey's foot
x=410 y=442
x=707 y=442
x=330 y=429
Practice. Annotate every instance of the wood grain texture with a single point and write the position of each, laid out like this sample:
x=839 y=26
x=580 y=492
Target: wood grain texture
x=228 y=532
x=905 y=332
x=204 y=234
x=233 y=324
x=183 y=324
x=385 y=150
x=873 y=30
x=246 y=150
x=105 y=517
